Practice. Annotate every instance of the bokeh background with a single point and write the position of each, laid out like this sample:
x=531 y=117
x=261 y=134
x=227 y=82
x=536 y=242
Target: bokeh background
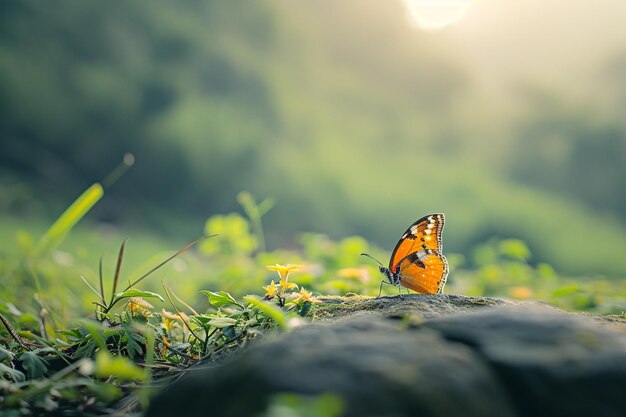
x=352 y=115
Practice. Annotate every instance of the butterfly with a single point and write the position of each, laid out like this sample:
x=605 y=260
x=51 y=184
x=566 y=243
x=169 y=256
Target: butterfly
x=417 y=261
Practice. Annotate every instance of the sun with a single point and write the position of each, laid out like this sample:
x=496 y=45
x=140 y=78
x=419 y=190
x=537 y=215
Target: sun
x=436 y=14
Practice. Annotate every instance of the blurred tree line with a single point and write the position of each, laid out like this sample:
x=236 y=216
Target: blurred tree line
x=82 y=84
x=574 y=153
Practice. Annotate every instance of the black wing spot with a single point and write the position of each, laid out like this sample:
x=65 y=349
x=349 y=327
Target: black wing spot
x=415 y=259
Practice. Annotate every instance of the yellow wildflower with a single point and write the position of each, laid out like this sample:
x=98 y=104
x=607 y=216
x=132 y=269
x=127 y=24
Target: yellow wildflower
x=167 y=315
x=139 y=306
x=283 y=274
x=169 y=319
x=305 y=296
x=284 y=285
x=283 y=270
x=271 y=290
x=166 y=343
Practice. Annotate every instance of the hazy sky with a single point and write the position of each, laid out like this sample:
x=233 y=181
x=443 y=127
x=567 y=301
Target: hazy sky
x=555 y=42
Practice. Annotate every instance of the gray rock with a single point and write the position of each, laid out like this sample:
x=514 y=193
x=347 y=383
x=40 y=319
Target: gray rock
x=474 y=357
x=550 y=362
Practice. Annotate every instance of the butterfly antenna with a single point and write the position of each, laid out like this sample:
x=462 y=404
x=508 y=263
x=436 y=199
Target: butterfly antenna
x=370 y=256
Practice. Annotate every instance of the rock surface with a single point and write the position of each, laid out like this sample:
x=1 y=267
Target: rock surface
x=413 y=305
x=454 y=355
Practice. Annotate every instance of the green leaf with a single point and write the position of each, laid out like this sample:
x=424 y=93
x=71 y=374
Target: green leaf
x=35 y=366
x=5 y=354
x=134 y=341
x=8 y=373
x=119 y=367
x=229 y=332
x=269 y=310
x=305 y=309
x=85 y=351
x=72 y=333
x=219 y=299
x=95 y=332
x=137 y=293
x=203 y=320
x=222 y=322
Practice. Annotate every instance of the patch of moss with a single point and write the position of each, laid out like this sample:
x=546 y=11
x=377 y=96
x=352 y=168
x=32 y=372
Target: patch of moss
x=426 y=305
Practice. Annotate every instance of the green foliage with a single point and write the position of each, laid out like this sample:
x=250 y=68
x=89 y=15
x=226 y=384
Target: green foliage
x=255 y=212
x=35 y=366
x=503 y=268
x=233 y=235
x=220 y=299
x=270 y=310
x=10 y=374
x=136 y=293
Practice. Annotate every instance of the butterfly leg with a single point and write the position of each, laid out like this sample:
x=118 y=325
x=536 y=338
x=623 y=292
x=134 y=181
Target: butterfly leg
x=380 y=289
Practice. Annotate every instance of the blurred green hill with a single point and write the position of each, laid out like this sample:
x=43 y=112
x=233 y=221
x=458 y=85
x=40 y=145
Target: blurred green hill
x=351 y=119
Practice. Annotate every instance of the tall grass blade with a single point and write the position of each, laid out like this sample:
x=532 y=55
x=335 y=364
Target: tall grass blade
x=185 y=322
x=90 y=286
x=12 y=332
x=101 y=281
x=118 y=267
x=181 y=251
x=62 y=226
x=127 y=162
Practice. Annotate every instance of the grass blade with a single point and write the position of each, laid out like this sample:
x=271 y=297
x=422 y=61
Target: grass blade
x=181 y=251
x=12 y=332
x=90 y=286
x=61 y=227
x=114 y=300
x=101 y=282
x=185 y=322
x=118 y=267
x=180 y=300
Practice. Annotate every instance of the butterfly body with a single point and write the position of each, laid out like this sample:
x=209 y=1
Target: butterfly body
x=417 y=261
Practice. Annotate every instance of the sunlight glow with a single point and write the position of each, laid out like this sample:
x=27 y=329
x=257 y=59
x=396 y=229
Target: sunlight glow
x=436 y=14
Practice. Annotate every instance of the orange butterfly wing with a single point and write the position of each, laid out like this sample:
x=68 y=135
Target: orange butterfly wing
x=423 y=234
x=425 y=271
x=417 y=256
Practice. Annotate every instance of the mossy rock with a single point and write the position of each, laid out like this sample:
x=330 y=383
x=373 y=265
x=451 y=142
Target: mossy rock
x=421 y=355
